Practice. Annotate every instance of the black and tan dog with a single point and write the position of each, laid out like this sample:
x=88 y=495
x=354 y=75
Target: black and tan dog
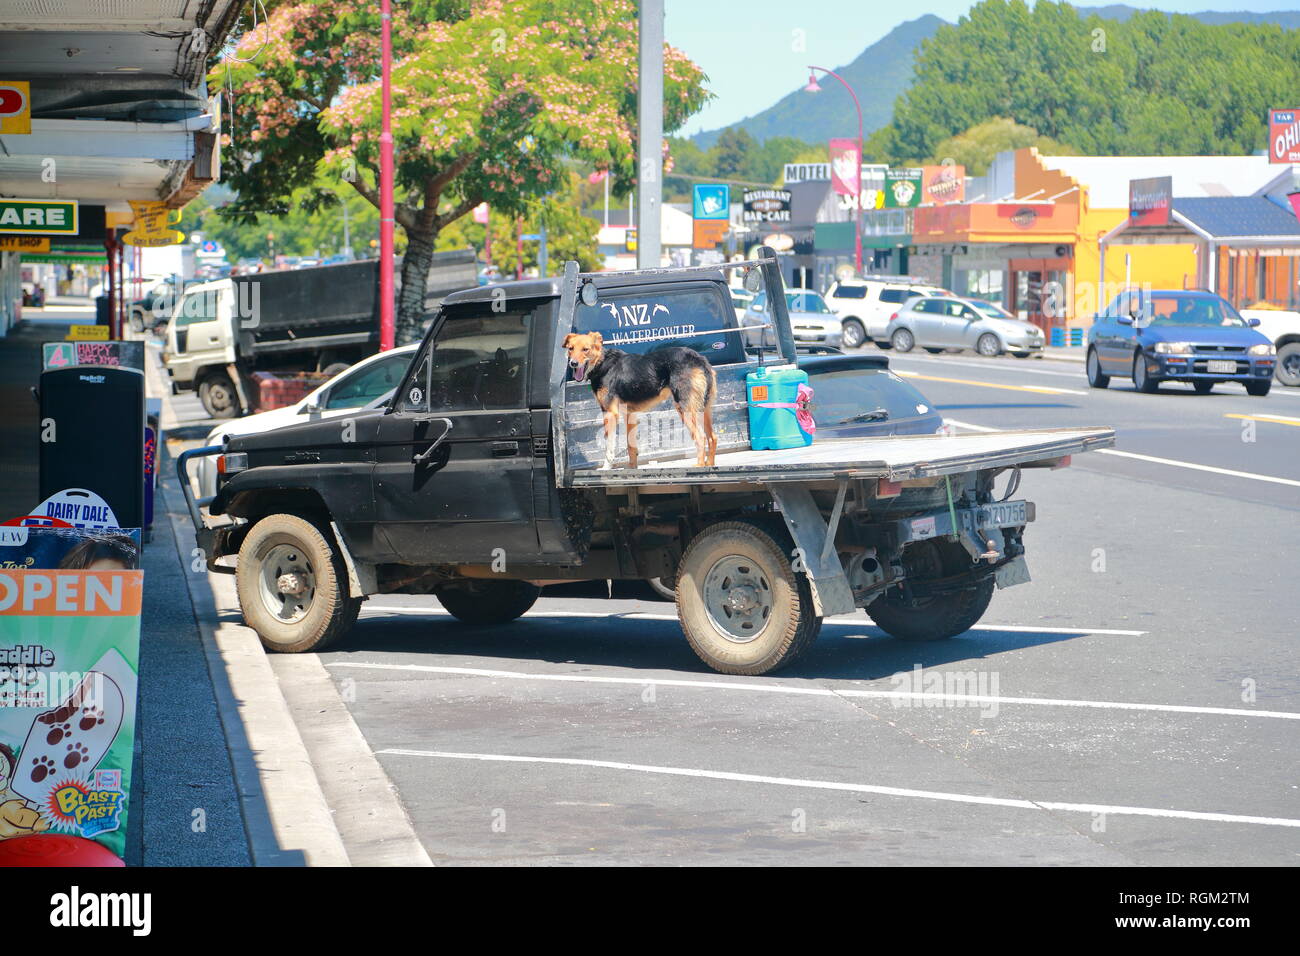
x=629 y=384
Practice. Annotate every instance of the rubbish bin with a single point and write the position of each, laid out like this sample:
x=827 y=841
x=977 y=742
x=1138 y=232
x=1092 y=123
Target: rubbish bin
x=103 y=315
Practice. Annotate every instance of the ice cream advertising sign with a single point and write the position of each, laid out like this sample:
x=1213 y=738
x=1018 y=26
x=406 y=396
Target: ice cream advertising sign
x=1284 y=136
x=69 y=651
x=846 y=160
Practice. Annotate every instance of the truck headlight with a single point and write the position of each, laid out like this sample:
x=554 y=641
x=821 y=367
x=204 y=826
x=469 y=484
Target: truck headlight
x=1173 y=348
x=1264 y=348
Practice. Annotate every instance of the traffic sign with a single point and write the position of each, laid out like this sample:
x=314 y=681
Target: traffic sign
x=15 y=107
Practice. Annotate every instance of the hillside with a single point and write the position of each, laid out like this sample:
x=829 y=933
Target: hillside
x=884 y=70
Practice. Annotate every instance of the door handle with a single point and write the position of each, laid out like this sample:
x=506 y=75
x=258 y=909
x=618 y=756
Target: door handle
x=505 y=449
x=424 y=456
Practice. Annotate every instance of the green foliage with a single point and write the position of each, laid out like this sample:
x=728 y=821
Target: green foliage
x=569 y=234
x=1152 y=85
x=736 y=156
x=976 y=147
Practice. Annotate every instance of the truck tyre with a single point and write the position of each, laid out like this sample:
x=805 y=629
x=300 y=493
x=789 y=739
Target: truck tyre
x=854 y=333
x=1096 y=377
x=742 y=606
x=488 y=602
x=938 y=616
x=1288 y=364
x=218 y=395
x=293 y=586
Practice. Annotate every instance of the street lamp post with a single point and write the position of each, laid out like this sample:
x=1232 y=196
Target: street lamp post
x=813 y=87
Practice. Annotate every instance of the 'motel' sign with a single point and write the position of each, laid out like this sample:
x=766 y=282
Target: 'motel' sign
x=1284 y=136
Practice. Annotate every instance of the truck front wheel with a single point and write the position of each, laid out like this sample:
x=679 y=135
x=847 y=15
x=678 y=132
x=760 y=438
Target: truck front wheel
x=488 y=602
x=218 y=395
x=937 y=616
x=293 y=586
x=742 y=606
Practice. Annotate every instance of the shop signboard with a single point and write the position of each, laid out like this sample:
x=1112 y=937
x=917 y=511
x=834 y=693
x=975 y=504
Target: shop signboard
x=903 y=187
x=943 y=184
x=765 y=205
x=1284 y=136
x=39 y=217
x=1150 y=201
x=806 y=173
x=69 y=654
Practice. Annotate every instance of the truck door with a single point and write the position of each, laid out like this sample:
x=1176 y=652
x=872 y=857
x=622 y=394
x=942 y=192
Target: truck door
x=453 y=474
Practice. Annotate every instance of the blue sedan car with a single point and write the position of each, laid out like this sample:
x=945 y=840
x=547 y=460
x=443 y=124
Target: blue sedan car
x=1178 y=336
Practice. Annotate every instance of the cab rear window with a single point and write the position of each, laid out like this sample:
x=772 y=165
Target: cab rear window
x=643 y=320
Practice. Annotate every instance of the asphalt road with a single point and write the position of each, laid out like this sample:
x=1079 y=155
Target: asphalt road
x=1135 y=704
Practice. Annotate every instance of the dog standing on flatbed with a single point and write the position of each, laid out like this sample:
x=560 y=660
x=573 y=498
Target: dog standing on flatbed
x=630 y=384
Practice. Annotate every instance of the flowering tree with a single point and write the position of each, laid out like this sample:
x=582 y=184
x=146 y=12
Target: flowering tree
x=489 y=99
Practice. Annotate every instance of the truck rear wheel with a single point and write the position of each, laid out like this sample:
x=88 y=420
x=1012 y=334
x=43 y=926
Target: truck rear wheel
x=742 y=606
x=218 y=395
x=938 y=616
x=488 y=602
x=293 y=586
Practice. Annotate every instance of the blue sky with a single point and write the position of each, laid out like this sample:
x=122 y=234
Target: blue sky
x=747 y=46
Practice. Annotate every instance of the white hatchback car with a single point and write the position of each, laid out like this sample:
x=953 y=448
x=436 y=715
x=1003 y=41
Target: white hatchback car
x=865 y=305
x=364 y=385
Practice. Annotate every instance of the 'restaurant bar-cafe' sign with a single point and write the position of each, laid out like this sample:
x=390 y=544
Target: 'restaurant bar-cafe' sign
x=766 y=205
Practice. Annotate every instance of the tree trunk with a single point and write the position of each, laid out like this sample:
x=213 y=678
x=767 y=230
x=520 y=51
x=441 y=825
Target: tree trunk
x=415 y=277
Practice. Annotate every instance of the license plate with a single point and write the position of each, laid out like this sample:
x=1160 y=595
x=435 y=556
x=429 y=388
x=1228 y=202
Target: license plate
x=1221 y=365
x=1006 y=514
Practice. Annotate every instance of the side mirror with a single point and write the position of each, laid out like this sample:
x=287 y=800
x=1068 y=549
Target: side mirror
x=1124 y=319
x=1253 y=323
x=308 y=409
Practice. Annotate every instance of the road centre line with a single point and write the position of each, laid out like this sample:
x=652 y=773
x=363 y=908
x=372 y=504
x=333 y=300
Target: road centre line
x=1037 y=389
x=856 y=788
x=1273 y=419
x=804 y=691
x=1231 y=473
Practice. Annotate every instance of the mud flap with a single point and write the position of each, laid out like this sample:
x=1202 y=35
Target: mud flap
x=816 y=543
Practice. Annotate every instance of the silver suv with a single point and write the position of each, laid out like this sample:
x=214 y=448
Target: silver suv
x=947 y=322
x=865 y=305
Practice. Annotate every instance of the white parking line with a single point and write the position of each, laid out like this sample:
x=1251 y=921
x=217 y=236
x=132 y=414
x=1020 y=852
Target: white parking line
x=1090 y=808
x=805 y=691
x=1271 y=479
x=855 y=622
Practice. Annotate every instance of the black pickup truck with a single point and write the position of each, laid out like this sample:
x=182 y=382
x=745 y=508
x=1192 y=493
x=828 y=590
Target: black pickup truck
x=480 y=483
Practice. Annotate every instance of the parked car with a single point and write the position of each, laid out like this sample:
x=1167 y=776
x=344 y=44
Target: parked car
x=1282 y=328
x=811 y=321
x=937 y=323
x=367 y=384
x=151 y=305
x=865 y=305
x=1180 y=336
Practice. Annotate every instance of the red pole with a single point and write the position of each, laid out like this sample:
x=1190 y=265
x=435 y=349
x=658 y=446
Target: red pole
x=387 y=326
x=857 y=215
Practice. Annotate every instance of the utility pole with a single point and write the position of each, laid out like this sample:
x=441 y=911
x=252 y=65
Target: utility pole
x=387 y=325
x=650 y=132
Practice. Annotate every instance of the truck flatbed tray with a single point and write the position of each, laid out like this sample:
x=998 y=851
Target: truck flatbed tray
x=895 y=458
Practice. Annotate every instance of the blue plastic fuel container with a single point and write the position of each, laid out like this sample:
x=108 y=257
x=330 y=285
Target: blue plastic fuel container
x=772 y=392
